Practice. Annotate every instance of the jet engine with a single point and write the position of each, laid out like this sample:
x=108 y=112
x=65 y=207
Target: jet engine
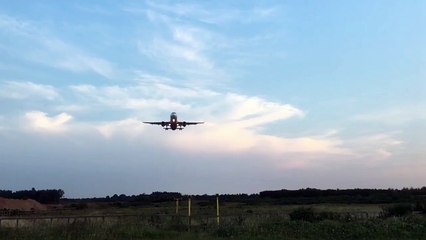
x=184 y=124
x=163 y=124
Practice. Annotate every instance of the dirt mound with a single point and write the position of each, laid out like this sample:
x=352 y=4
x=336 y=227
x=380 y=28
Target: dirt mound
x=23 y=205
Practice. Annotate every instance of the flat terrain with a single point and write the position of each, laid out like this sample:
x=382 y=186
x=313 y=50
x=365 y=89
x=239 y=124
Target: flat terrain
x=237 y=221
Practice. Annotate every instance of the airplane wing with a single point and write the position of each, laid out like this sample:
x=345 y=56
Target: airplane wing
x=159 y=123
x=184 y=123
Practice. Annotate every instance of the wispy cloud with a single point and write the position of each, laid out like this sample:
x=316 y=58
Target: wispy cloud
x=177 y=56
x=181 y=43
x=1 y=122
x=394 y=116
x=25 y=90
x=71 y=108
x=39 y=45
x=375 y=147
x=213 y=13
x=138 y=97
x=185 y=52
x=129 y=127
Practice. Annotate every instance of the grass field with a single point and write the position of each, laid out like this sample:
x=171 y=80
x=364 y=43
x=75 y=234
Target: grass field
x=401 y=228
x=238 y=221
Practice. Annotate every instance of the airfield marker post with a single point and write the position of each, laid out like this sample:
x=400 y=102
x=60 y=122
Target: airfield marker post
x=217 y=210
x=189 y=214
x=177 y=206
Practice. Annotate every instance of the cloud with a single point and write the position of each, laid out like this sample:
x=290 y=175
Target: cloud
x=225 y=137
x=375 y=147
x=232 y=121
x=71 y=108
x=129 y=127
x=1 y=122
x=253 y=111
x=183 y=48
x=39 y=121
x=16 y=26
x=184 y=53
x=25 y=90
x=181 y=43
x=210 y=13
x=137 y=97
x=62 y=55
x=232 y=138
x=241 y=110
x=395 y=116
x=35 y=43
x=233 y=124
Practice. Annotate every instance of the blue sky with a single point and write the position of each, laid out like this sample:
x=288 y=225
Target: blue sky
x=295 y=94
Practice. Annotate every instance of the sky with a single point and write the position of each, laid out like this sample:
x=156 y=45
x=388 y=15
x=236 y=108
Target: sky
x=294 y=94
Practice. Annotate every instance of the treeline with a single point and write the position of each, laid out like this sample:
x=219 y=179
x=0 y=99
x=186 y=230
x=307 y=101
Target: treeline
x=159 y=197
x=312 y=195
x=48 y=196
x=140 y=199
x=284 y=196
x=155 y=197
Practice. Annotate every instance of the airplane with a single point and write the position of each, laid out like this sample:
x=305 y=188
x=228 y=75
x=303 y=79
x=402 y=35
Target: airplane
x=173 y=124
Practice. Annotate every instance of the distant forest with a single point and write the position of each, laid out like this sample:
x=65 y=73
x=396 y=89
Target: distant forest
x=301 y=196
x=50 y=196
x=312 y=195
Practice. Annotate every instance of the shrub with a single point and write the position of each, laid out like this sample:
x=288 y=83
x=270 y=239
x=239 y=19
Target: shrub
x=80 y=206
x=328 y=216
x=397 y=210
x=420 y=207
x=303 y=214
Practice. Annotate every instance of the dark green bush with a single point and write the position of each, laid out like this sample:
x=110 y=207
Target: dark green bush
x=80 y=206
x=420 y=207
x=397 y=210
x=302 y=214
x=328 y=216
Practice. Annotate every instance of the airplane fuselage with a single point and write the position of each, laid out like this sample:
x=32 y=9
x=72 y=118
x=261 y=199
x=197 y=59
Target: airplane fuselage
x=173 y=121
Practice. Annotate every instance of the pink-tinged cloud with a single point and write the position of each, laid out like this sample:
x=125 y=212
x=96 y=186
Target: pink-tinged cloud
x=39 y=121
